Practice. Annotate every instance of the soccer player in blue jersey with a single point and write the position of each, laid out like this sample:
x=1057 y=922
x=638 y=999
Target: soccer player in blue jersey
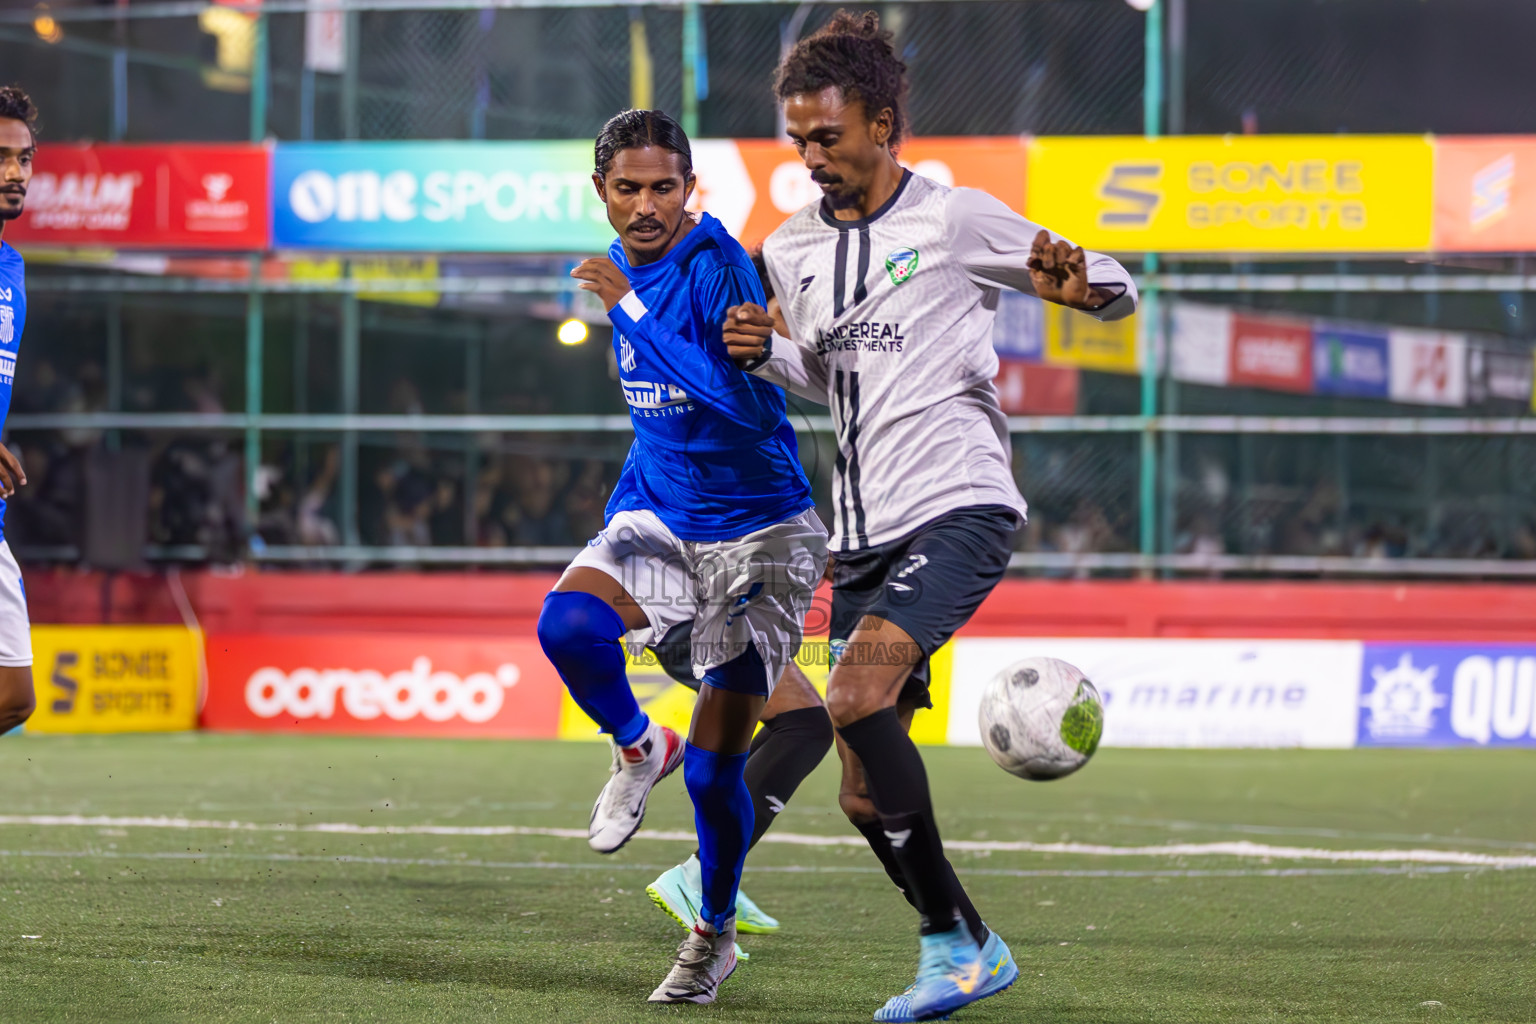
x=17 y=148
x=711 y=521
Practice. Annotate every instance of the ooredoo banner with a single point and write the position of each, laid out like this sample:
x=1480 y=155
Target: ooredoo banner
x=1448 y=695
x=1187 y=693
x=160 y=197
x=400 y=685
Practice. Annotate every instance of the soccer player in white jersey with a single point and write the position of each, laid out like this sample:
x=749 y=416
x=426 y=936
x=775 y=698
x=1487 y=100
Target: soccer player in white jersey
x=18 y=145
x=888 y=288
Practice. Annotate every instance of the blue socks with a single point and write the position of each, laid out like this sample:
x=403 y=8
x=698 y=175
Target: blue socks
x=580 y=636
x=722 y=813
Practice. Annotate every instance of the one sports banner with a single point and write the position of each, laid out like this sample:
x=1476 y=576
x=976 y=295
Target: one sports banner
x=396 y=684
x=1275 y=193
x=97 y=679
x=147 y=197
x=1437 y=695
x=437 y=197
x=1186 y=693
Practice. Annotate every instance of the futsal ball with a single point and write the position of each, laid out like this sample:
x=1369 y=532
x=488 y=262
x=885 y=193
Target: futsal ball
x=1041 y=718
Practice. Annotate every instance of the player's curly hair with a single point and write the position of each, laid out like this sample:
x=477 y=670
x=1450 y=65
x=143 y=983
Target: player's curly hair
x=631 y=129
x=17 y=105
x=853 y=53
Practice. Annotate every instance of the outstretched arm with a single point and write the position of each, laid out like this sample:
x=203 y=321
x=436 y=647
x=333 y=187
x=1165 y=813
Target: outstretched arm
x=1000 y=249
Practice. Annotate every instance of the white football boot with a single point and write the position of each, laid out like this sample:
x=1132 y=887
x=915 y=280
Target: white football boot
x=636 y=768
x=704 y=959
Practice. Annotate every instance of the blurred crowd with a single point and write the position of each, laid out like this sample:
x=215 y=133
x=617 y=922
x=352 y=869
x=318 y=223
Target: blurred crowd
x=549 y=491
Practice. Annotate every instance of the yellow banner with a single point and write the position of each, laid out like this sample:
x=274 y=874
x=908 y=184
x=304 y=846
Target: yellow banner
x=374 y=269
x=114 y=678
x=1077 y=339
x=1261 y=193
x=671 y=703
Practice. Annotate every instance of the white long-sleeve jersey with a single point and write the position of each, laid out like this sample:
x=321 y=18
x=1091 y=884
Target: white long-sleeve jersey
x=891 y=318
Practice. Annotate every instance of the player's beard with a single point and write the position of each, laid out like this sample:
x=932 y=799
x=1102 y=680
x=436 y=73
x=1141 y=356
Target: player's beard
x=839 y=195
x=8 y=211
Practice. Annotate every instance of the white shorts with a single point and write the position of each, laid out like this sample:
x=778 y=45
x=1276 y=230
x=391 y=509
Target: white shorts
x=756 y=589
x=15 y=629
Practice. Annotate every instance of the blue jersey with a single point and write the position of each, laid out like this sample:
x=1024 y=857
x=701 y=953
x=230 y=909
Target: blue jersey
x=714 y=456
x=13 y=316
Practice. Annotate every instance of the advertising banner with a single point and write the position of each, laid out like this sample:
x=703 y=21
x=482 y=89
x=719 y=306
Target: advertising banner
x=778 y=183
x=1499 y=374
x=1033 y=389
x=1187 y=693
x=538 y=196
x=1448 y=695
x=1485 y=194
x=1202 y=344
x=671 y=703
x=1428 y=367
x=1270 y=352
x=1275 y=193
x=163 y=197
x=396 y=685
x=1076 y=339
x=437 y=197
x=114 y=678
x=1350 y=362
x=1018 y=332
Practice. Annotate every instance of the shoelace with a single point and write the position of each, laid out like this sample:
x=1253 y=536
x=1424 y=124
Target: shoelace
x=693 y=952
x=933 y=961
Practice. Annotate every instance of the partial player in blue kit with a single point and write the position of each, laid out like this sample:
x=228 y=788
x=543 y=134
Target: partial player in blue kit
x=711 y=522
x=18 y=146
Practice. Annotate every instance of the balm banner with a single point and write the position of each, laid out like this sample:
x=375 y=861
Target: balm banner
x=1235 y=194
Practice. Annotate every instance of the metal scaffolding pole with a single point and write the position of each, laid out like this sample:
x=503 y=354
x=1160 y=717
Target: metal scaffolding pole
x=1152 y=105
x=351 y=349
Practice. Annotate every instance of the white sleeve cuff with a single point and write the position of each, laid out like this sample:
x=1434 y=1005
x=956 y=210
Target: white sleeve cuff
x=632 y=306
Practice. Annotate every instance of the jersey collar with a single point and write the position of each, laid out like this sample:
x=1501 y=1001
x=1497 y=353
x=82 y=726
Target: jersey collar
x=864 y=222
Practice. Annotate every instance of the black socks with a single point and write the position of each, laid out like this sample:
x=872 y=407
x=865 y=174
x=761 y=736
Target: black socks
x=784 y=752
x=898 y=786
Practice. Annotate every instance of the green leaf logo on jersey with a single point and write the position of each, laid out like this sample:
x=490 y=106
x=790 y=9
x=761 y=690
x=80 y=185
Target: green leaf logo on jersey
x=901 y=264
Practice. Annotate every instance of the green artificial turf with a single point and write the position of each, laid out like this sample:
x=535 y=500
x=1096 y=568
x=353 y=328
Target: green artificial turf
x=218 y=922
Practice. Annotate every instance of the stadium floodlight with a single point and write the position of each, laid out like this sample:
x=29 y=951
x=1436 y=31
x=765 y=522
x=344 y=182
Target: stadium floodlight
x=572 y=332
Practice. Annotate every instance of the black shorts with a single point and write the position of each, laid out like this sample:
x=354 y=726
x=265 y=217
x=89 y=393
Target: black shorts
x=929 y=582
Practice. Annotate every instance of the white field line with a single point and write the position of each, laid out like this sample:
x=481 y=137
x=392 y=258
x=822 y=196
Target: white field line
x=792 y=869
x=1240 y=848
